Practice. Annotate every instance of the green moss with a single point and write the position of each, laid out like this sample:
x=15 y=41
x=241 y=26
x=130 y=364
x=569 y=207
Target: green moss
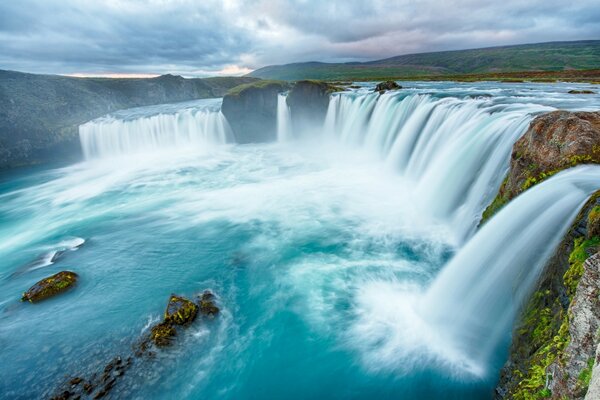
x=180 y=311
x=261 y=84
x=576 y=260
x=583 y=380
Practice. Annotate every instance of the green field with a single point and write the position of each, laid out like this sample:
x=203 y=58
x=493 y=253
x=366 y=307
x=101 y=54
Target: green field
x=550 y=57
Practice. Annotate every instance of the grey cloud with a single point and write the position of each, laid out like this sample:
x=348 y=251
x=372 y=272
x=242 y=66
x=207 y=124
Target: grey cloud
x=196 y=37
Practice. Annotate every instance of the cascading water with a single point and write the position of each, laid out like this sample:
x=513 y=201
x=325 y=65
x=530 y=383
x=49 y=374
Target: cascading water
x=320 y=251
x=197 y=125
x=454 y=151
x=284 y=121
x=476 y=297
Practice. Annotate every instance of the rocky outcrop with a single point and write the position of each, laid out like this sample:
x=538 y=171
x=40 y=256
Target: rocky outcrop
x=50 y=286
x=308 y=102
x=553 y=142
x=553 y=344
x=251 y=110
x=570 y=375
x=40 y=114
x=382 y=87
x=180 y=313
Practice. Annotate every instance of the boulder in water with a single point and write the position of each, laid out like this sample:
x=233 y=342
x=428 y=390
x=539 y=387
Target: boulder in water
x=581 y=91
x=207 y=305
x=382 y=87
x=50 y=286
x=180 y=311
x=162 y=334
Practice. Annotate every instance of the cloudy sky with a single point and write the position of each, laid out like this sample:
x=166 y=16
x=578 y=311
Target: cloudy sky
x=232 y=37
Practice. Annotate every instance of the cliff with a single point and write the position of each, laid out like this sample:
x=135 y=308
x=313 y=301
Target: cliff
x=554 y=343
x=40 y=114
x=251 y=109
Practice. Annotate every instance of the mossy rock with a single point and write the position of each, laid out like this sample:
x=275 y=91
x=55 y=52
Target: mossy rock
x=207 y=305
x=162 y=334
x=180 y=311
x=593 y=222
x=387 y=85
x=50 y=286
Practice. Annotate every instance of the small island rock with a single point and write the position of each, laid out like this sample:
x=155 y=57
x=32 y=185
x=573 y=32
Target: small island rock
x=382 y=87
x=50 y=286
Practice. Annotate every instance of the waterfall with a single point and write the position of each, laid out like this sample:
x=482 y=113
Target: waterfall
x=454 y=151
x=199 y=126
x=284 y=121
x=475 y=299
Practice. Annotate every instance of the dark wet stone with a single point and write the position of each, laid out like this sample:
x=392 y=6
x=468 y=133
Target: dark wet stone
x=50 y=286
x=180 y=311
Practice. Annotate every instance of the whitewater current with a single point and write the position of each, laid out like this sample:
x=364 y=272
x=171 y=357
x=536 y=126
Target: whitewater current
x=346 y=259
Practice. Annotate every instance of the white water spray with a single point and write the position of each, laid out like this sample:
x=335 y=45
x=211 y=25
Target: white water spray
x=455 y=151
x=193 y=127
x=284 y=120
x=477 y=296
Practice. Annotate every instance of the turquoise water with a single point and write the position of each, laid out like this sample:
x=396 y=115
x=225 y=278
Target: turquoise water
x=316 y=256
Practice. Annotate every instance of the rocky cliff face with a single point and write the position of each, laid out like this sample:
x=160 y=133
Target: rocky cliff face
x=554 y=343
x=308 y=102
x=251 y=110
x=553 y=142
x=40 y=114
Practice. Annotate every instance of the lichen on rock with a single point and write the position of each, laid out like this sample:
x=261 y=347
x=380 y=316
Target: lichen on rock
x=50 y=286
x=180 y=311
x=553 y=142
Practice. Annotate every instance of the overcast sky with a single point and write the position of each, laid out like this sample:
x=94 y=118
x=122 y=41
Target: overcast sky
x=232 y=37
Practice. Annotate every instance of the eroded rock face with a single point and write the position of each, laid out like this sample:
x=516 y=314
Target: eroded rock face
x=50 y=286
x=251 y=110
x=569 y=375
x=382 y=87
x=553 y=142
x=308 y=101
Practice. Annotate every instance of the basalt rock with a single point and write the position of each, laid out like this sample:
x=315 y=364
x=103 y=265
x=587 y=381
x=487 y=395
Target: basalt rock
x=50 y=286
x=553 y=142
x=308 y=101
x=251 y=110
x=180 y=311
x=179 y=314
x=207 y=304
x=382 y=87
x=162 y=334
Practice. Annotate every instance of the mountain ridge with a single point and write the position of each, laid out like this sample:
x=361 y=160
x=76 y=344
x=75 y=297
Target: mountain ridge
x=545 y=56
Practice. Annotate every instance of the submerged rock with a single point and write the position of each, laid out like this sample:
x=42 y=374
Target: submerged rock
x=207 y=305
x=382 y=87
x=50 y=286
x=162 y=334
x=581 y=91
x=180 y=311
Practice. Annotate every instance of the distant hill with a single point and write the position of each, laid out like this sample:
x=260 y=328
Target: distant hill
x=40 y=114
x=552 y=56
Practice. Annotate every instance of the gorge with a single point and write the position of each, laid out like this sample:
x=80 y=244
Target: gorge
x=386 y=243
